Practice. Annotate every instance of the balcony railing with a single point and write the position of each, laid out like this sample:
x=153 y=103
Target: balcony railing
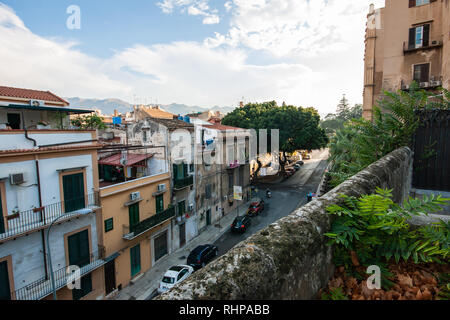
x=43 y=287
x=434 y=82
x=145 y=225
x=38 y=218
x=183 y=183
x=411 y=47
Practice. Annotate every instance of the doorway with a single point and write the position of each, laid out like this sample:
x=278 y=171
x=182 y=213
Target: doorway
x=160 y=245
x=110 y=277
x=14 y=121
x=182 y=235
x=208 y=217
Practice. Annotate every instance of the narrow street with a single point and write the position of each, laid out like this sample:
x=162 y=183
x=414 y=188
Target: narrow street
x=286 y=197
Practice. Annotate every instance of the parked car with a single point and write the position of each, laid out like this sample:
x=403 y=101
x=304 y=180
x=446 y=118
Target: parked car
x=241 y=224
x=200 y=256
x=297 y=167
x=289 y=172
x=300 y=163
x=256 y=207
x=174 y=275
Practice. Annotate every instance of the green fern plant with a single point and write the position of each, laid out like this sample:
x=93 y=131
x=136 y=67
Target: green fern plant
x=335 y=294
x=376 y=229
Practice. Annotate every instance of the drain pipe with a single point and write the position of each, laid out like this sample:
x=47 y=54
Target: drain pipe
x=44 y=249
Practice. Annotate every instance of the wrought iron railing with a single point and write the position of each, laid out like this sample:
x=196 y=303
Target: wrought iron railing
x=183 y=183
x=30 y=220
x=41 y=288
x=130 y=232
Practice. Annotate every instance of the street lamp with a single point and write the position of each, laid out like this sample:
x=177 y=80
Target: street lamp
x=80 y=212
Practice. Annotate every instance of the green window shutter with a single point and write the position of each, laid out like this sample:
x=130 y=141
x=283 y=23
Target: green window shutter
x=185 y=170
x=135 y=256
x=79 y=253
x=73 y=189
x=134 y=215
x=175 y=171
x=109 y=225
x=181 y=207
x=2 y=221
x=5 y=293
x=159 y=203
x=86 y=288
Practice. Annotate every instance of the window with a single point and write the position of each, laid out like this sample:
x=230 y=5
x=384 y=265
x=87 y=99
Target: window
x=73 y=190
x=145 y=136
x=86 y=288
x=419 y=36
x=14 y=121
x=422 y=2
x=5 y=293
x=181 y=208
x=78 y=245
x=133 y=212
x=109 y=225
x=191 y=168
x=421 y=73
x=159 y=203
x=135 y=257
x=208 y=191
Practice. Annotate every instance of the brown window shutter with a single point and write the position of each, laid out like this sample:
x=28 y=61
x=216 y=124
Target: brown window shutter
x=412 y=38
x=426 y=35
x=425 y=72
x=412 y=3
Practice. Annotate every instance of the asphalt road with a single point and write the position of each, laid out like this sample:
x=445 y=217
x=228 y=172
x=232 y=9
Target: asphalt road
x=286 y=197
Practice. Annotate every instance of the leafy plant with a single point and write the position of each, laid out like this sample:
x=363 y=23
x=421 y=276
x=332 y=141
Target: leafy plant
x=362 y=142
x=375 y=229
x=444 y=286
x=335 y=294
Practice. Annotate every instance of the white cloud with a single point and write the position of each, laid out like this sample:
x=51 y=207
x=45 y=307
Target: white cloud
x=193 y=8
x=312 y=54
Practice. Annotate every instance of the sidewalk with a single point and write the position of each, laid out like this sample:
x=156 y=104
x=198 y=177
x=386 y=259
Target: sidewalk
x=145 y=287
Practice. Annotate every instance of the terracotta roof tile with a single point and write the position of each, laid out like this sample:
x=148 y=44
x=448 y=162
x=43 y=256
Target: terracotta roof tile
x=31 y=94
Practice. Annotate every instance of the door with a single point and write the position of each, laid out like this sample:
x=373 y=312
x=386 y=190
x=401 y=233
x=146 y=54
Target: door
x=159 y=203
x=135 y=256
x=208 y=217
x=133 y=212
x=86 y=288
x=160 y=245
x=14 y=121
x=5 y=293
x=182 y=235
x=2 y=219
x=110 y=277
x=73 y=186
x=79 y=253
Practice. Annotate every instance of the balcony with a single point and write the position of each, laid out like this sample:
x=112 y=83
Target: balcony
x=179 y=184
x=434 y=83
x=147 y=224
x=24 y=222
x=41 y=288
x=411 y=47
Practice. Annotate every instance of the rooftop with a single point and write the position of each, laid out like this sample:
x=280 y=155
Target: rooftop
x=11 y=92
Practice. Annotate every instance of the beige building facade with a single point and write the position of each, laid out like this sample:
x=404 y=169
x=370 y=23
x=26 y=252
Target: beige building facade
x=406 y=41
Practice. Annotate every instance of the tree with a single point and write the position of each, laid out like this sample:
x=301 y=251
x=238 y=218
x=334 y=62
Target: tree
x=90 y=122
x=344 y=113
x=299 y=127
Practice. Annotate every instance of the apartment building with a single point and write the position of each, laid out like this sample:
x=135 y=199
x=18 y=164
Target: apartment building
x=222 y=157
x=406 y=41
x=48 y=199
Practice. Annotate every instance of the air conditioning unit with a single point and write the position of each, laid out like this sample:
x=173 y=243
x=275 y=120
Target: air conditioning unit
x=424 y=84
x=135 y=196
x=37 y=103
x=161 y=187
x=16 y=178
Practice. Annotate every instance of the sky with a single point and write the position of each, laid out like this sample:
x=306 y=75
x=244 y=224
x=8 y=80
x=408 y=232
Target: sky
x=196 y=52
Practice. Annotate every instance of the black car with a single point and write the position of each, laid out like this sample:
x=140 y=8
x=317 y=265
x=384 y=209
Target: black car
x=241 y=224
x=200 y=256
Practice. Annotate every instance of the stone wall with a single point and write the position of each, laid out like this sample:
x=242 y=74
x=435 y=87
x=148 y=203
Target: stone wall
x=290 y=260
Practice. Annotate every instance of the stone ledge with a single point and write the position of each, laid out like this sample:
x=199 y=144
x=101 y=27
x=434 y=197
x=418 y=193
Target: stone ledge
x=290 y=260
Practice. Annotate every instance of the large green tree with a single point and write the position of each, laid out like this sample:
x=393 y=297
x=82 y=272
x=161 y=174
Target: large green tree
x=298 y=127
x=344 y=113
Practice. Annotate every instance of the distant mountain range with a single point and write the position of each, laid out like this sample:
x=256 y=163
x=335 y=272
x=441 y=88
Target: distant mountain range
x=107 y=106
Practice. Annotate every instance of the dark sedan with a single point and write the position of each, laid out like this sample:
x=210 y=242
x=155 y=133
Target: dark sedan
x=200 y=256
x=241 y=224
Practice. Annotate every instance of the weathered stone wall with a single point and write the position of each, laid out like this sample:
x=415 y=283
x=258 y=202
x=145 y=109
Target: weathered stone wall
x=290 y=258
